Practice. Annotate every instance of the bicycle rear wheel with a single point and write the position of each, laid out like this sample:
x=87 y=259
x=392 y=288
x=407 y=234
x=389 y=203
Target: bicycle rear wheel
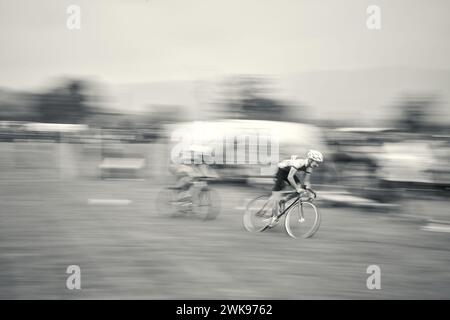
x=166 y=203
x=302 y=220
x=257 y=213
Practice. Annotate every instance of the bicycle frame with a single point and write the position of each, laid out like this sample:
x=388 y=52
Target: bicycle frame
x=297 y=200
x=289 y=207
x=198 y=184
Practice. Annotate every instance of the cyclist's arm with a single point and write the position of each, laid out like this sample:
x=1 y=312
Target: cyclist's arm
x=291 y=179
x=307 y=178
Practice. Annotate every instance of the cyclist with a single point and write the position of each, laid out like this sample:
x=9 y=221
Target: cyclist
x=190 y=165
x=287 y=173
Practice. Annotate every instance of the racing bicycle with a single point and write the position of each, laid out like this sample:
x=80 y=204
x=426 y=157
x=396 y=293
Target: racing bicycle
x=302 y=219
x=202 y=201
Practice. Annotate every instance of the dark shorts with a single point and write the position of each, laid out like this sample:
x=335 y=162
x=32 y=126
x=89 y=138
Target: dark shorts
x=281 y=180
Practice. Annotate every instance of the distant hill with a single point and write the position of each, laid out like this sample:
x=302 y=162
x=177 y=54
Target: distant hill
x=367 y=96
x=364 y=97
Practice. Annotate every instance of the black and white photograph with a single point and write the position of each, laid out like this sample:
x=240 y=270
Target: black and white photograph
x=224 y=150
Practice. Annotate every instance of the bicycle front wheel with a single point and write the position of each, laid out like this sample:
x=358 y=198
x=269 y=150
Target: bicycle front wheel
x=257 y=214
x=302 y=220
x=206 y=204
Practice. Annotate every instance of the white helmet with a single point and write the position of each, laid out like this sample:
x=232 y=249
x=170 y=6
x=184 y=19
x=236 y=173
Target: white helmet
x=315 y=155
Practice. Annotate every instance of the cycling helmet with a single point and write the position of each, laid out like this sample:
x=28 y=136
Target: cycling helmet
x=315 y=155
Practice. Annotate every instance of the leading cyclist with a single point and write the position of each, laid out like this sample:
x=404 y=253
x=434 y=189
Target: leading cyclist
x=287 y=174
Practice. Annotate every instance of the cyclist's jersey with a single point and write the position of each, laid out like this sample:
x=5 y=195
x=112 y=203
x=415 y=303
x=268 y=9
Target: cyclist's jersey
x=284 y=167
x=298 y=164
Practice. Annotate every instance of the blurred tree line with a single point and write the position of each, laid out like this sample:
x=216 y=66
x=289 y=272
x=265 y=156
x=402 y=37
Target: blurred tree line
x=418 y=114
x=65 y=104
x=250 y=97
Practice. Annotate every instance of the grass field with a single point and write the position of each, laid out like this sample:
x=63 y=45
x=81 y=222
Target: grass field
x=127 y=250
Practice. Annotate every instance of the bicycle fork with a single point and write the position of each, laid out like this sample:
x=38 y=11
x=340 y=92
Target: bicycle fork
x=300 y=212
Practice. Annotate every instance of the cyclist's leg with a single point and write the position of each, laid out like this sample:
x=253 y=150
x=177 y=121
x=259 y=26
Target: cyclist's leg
x=277 y=198
x=183 y=185
x=277 y=189
x=293 y=194
x=284 y=199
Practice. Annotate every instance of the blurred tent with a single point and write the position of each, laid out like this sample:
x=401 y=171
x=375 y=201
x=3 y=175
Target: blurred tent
x=241 y=148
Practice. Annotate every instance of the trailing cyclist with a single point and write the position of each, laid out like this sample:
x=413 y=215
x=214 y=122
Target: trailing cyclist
x=190 y=165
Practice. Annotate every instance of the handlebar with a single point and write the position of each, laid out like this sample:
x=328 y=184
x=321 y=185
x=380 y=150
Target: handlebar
x=311 y=191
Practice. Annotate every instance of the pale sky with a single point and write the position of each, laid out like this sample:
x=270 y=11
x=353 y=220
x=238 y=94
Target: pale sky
x=132 y=41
